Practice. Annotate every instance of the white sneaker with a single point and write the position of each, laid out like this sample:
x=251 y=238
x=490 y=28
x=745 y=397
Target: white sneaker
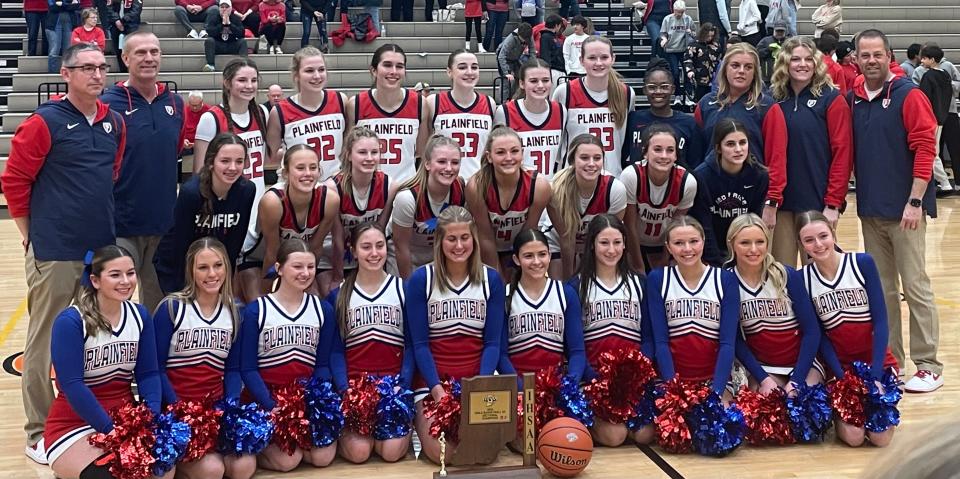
x=262 y=44
x=467 y=48
x=203 y=34
x=208 y=68
x=37 y=453
x=923 y=382
x=193 y=34
x=480 y=48
x=277 y=50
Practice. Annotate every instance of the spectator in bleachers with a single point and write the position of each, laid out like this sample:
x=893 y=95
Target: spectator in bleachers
x=510 y=51
x=845 y=57
x=226 y=35
x=401 y=10
x=748 y=25
x=191 y=116
x=653 y=15
x=675 y=32
x=290 y=10
x=35 y=13
x=315 y=11
x=913 y=59
x=573 y=46
x=274 y=95
x=88 y=31
x=123 y=18
x=146 y=190
x=428 y=8
x=249 y=12
x=701 y=60
x=769 y=48
x=188 y=12
x=783 y=11
x=827 y=44
x=372 y=7
x=527 y=10
x=550 y=50
x=499 y=12
x=61 y=199
x=828 y=15
x=273 y=25
x=937 y=84
x=716 y=13
x=61 y=19
x=473 y=16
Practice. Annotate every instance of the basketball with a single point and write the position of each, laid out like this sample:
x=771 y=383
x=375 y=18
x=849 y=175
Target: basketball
x=564 y=447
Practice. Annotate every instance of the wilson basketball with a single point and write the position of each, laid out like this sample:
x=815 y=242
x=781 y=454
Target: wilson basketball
x=564 y=447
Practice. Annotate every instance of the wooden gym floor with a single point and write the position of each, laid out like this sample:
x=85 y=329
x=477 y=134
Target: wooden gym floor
x=920 y=413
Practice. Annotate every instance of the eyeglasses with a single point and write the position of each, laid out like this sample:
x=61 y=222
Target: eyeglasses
x=661 y=88
x=90 y=69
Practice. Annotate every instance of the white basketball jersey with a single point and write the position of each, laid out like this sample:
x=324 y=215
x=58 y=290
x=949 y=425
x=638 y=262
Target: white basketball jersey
x=537 y=322
x=322 y=129
x=469 y=126
x=694 y=311
x=613 y=311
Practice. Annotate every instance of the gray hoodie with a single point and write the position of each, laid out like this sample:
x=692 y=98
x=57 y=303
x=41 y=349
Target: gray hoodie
x=677 y=31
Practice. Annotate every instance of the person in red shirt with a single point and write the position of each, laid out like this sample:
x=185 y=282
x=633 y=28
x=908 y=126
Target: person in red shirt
x=88 y=31
x=195 y=108
x=35 y=12
x=273 y=25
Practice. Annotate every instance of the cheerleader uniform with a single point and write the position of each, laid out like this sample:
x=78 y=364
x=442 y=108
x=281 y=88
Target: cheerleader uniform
x=852 y=314
x=322 y=129
x=279 y=347
x=196 y=353
x=541 y=134
x=469 y=126
x=397 y=131
x=614 y=318
x=507 y=222
x=777 y=335
x=355 y=210
x=656 y=205
x=610 y=196
x=94 y=372
x=414 y=209
x=694 y=330
x=374 y=340
x=543 y=332
x=588 y=113
x=453 y=333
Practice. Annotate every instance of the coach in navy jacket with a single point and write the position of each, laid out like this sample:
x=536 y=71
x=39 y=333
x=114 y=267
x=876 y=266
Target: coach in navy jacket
x=146 y=192
x=58 y=183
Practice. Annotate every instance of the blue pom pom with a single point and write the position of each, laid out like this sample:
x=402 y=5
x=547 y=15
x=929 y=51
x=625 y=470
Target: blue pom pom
x=881 y=409
x=395 y=409
x=571 y=400
x=323 y=411
x=172 y=438
x=809 y=412
x=646 y=409
x=715 y=430
x=244 y=428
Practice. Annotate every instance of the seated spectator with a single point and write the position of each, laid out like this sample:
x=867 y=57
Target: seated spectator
x=226 y=35
x=273 y=25
x=123 y=18
x=195 y=108
x=88 y=31
x=249 y=12
x=550 y=50
x=189 y=12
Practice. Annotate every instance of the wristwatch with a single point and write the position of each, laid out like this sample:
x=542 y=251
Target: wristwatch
x=772 y=202
x=916 y=202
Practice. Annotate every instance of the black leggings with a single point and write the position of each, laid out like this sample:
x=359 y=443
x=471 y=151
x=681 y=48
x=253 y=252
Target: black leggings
x=475 y=23
x=274 y=33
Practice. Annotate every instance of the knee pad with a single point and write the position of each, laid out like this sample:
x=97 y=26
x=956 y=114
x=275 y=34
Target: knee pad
x=98 y=469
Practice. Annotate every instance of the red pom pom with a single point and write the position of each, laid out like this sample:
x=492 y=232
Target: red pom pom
x=129 y=442
x=291 y=426
x=621 y=379
x=765 y=416
x=445 y=413
x=359 y=405
x=846 y=397
x=678 y=398
x=545 y=398
x=204 y=422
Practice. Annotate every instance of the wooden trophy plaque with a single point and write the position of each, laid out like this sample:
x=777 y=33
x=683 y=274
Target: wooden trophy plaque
x=488 y=421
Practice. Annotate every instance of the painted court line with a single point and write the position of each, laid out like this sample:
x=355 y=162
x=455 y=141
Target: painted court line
x=12 y=322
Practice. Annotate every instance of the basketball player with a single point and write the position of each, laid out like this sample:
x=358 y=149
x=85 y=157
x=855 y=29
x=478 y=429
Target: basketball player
x=536 y=119
x=657 y=190
x=461 y=113
x=287 y=335
x=196 y=353
x=314 y=116
x=454 y=316
x=394 y=113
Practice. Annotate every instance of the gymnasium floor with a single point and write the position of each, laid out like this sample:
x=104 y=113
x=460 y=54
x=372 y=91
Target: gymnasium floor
x=828 y=460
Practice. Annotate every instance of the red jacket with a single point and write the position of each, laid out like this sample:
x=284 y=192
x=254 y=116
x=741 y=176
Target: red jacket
x=836 y=74
x=81 y=35
x=267 y=9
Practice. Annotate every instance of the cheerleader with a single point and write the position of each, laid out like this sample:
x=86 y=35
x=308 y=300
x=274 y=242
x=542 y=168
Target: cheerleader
x=296 y=208
x=454 y=316
x=694 y=311
x=614 y=311
x=102 y=319
x=820 y=153
x=369 y=309
x=740 y=96
x=848 y=299
x=394 y=113
x=366 y=192
x=537 y=120
x=598 y=102
x=208 y=368
x=461 y=113
x=286 y=336
x=729 y=184
x=581 y=192
x=216 y=202
x=418 y=202
x=658 y=87
x=502 y=176
x=314 y=116
x=657 y=190
x=779 y=335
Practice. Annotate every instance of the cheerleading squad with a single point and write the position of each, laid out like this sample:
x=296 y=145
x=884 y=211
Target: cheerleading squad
x=556 y=242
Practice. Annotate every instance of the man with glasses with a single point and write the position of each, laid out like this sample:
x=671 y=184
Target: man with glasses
x=59 y=183
x=146 y=191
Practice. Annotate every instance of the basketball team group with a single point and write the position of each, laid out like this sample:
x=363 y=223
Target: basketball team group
x=432 y=238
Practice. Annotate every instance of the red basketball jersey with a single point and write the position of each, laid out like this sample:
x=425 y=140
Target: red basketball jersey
x=507 y=222
x=652 y=218
x=290 y=226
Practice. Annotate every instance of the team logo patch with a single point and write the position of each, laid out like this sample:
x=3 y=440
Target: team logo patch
x=13 y=365
x=810 y=103
x=107 y=127
x=886 y=102
x=169 y=110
